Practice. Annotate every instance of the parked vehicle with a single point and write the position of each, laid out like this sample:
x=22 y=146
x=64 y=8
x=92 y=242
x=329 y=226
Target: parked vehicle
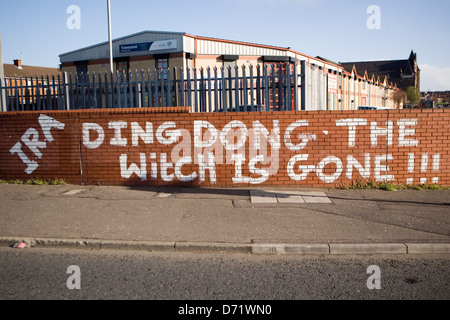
x=371 y=108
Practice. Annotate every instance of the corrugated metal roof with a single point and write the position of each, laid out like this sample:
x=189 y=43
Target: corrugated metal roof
x=186 y=43
x=101 y=50
x=122 y=38
x=206 y=45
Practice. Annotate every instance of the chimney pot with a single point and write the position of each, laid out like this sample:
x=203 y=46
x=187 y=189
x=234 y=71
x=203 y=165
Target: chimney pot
x=18 y=63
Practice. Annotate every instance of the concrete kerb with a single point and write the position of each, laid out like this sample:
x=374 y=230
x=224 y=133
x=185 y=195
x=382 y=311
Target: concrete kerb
x=365 y=248
x=89 y=244
x=243 y=248
x=428 y=248
x=151 y=246
x=301 y=249
x=213 y=247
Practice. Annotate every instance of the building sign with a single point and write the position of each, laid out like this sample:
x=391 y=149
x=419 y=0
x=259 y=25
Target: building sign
x=332 y=83
x=135 y=47
x=149 y=46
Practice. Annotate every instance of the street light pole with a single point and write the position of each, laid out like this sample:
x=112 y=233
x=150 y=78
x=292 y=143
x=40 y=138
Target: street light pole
x=3 y=106
x=111 y=65
x=1 y=57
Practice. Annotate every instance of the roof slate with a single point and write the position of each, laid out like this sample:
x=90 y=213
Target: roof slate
x=390 y=68
x=27 y=71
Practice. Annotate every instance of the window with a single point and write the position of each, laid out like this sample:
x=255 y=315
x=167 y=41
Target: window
x=274 y=68
x=162 y=65
x=122 y=66
x=82 y=68
x=276 y=72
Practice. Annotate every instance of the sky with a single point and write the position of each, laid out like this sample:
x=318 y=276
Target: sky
x=348 y=30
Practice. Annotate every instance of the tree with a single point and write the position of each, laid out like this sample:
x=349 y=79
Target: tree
x=413 y=95
x=399 y=98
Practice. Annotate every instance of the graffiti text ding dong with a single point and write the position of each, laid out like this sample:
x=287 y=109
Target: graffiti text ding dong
x=209 y=145
x=227 y=145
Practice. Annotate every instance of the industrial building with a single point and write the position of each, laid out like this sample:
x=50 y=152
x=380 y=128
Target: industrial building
x=157 y=50
x=329 y=86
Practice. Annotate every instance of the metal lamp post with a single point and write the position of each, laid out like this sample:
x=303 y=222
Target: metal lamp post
x=111 y=65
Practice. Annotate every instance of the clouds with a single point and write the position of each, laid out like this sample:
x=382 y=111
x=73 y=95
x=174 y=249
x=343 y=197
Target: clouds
x=434 y=78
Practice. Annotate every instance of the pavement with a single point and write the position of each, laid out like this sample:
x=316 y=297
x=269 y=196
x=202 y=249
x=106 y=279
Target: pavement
x=228 y=220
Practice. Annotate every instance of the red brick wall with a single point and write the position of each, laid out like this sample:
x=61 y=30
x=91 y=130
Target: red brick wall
x=317 y=149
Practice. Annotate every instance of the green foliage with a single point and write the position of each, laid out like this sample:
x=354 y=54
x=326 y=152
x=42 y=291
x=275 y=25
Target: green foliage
x=39 y=182
x=413 y=95
x=388 y=186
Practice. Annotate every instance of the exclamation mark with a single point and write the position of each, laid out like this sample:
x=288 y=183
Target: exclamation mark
x=410 y=167
x=424 y=167
x=436 y=161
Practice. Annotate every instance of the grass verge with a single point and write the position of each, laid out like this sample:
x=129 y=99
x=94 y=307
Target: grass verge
x=55 y=182
x=388 y=186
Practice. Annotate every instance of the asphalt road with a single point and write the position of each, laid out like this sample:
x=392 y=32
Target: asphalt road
x=43 y=274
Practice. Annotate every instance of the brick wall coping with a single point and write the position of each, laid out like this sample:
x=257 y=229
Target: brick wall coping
x=99 y=111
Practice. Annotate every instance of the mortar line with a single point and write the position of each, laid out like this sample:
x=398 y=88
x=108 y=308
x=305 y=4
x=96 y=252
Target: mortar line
x=81 y=155
x=387 y=143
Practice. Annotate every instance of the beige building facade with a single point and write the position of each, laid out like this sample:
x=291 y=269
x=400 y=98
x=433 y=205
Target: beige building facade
x=329 y=86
